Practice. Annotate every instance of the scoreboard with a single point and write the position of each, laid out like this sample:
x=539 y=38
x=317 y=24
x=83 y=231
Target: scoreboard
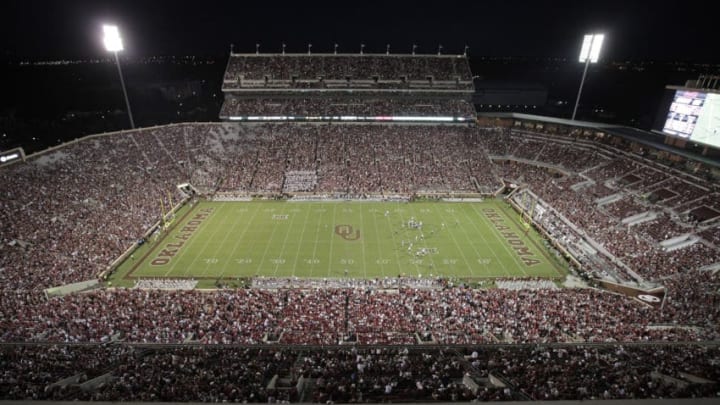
x=694 y=115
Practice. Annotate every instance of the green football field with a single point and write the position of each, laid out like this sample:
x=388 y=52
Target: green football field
x=230 y=240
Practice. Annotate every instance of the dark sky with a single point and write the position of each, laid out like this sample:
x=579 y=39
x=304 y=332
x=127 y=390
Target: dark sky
x=635 y=29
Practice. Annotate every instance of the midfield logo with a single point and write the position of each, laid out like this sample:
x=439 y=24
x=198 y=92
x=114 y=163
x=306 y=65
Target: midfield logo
x=346 y=232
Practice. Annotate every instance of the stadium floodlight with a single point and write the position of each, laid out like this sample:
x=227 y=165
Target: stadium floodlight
x=589 y=53
x=112 y=40
x=113 y=43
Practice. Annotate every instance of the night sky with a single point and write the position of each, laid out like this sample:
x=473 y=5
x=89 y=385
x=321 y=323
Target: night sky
x=664 y=30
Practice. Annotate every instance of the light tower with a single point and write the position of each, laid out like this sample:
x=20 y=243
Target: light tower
x=113 y=43
x=589 y=53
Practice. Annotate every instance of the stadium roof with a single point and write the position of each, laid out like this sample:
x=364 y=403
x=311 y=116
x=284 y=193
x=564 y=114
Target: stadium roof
x=549 y=120
x=640 y=136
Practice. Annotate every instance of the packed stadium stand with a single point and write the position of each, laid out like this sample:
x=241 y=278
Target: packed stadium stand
x=344 y=87
x=394 y=71
x=643 y=237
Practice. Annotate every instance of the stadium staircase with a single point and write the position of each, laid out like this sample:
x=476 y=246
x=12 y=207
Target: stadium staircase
x=640 y=218
x=609 y=199
x=679 y=242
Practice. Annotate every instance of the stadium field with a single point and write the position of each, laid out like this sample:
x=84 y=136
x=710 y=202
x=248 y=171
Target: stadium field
x=230 y=240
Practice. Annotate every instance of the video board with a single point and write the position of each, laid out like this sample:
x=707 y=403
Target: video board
x=694 y=115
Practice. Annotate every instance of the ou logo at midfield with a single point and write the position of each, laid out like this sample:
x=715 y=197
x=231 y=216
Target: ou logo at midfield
x=346 y=232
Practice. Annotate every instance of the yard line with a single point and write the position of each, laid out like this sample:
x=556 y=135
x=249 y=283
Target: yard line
x=480 y=232
x=317 y=236
x=267 y=246
x=207 y=242
x=297 y=254
x=395 y=248
x=403 y=223
x=457 y=245
x=362 y=243
x=221 y=245
x=497 y=233
x=282 y=248
x=332 y=238
x=427 y=256
x=239 y=239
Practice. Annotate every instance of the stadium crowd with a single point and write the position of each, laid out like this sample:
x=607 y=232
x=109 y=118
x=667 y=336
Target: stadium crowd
x=110 y=189
x=66 y=214
x=356 y=375
x=638 y=245
x=289 y=69
x=327 y=316
x=347 y=106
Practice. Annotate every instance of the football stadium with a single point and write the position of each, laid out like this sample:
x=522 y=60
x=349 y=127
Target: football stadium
x=351 y=230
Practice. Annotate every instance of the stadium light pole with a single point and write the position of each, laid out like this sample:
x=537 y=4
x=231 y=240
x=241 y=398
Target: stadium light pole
x=589 y=53
x=113 y=43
